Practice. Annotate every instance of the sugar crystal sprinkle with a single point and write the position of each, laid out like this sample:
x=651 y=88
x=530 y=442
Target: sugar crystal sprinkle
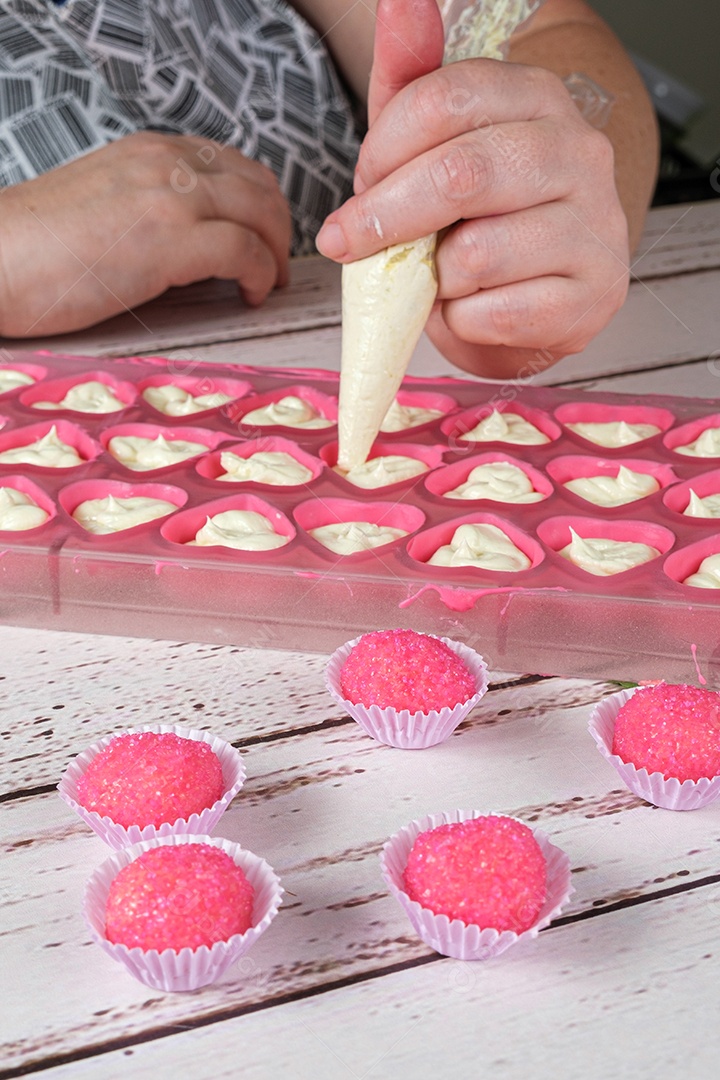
x=148 y=778
x=487 y=871
x=673 y=730
x=178 y=896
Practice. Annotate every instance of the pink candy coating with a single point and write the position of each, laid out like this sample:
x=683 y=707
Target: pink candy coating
x=402 y=669
x=673 y=730
x=176 y=897
x=146 y=778
x=488 y=871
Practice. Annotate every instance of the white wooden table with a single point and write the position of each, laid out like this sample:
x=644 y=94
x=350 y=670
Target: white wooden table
x=624 y=984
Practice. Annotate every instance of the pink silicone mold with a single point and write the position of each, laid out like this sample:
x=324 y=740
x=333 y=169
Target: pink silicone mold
x=323 y=404
x=35 y=371
x=431 y=456
x=686 y=561
x=181 y=528
x=423 y=546
x=582 y=412
x=688 y=433
x=441 y=403
x=555 y=532
x=197 y=386
x=452 y=476
x=85 y=446
x=56 y=389
x=210 y=439
x=74 y=494
x=210 y=468
x=38 y=496
x=456 y=426
x=677 y=498
x=576 y=466
x=314 y=513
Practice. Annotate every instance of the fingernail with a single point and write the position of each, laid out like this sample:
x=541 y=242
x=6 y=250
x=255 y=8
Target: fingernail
x=330 y=241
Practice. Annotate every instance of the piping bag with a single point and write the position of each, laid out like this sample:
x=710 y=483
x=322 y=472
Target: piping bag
x=387 y=297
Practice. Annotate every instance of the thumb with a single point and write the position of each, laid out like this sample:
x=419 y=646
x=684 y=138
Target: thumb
x=409 y=42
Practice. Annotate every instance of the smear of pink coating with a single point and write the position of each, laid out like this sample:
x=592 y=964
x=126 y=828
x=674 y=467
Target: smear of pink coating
x=673 y=730
x=149 y=778
x=176 y=897
x=402 y=669
x=701 y=678
x=465 y=599
x=489 y=871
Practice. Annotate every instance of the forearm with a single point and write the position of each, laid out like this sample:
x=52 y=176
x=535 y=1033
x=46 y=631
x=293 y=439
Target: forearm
x=589 y=47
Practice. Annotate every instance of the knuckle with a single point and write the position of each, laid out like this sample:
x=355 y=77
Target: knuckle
x=508 y=313
x=432 y=98
x=479 y=250
x=461 y=172
x=597 y=151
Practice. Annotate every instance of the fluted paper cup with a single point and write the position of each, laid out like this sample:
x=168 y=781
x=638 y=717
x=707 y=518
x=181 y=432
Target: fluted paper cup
x=118 y=836
x=671 y=794
x=453 y=937
x=400 y=727
x=186 y=969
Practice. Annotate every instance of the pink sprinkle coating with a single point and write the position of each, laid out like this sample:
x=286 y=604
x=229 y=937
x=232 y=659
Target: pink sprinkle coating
x=488 y=871
x=148 y=778
x=402 y=669
x=673 y=730
x=176 y=897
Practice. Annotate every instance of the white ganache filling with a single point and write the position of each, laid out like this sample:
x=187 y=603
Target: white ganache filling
x=613 y=432
x=706 y=506
x=141 y=454
x=386 y=300
x=401 y=417
x=506 y=427
x=88 y=397
x=626 y=487
x=50 y=451
x=114 y=514
x=707 y=444
x=244 y=530
x=264 y=467
x=175 y=401
x=10 y=379
x=484 y=546
x=707 y=575
x=500 y=481
x=347 y=537
x=289 y=411
x=381 y=471
x=19 y=512
x=602 y=557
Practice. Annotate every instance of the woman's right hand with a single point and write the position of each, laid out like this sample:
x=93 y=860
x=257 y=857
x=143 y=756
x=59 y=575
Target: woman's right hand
x=121 y=225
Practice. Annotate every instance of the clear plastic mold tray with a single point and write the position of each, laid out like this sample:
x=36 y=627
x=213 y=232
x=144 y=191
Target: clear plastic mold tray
x=552 y=618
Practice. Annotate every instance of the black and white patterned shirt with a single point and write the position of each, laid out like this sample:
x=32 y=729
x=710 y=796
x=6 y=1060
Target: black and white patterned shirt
x=249 y=73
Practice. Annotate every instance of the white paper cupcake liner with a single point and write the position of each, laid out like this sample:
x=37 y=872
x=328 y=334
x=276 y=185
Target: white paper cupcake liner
x=400 y=727
x=117 y=836
x=453 y=937
x=653 y=787
x=187 y=969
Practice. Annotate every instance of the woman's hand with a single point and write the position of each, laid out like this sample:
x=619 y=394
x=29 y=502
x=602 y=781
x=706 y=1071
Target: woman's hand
x=534 y=259
x=121 y=225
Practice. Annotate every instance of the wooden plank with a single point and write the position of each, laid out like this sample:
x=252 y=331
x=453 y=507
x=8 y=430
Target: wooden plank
x=318 y=806
x=626 y=994
x=700 y=378
x=679 y=239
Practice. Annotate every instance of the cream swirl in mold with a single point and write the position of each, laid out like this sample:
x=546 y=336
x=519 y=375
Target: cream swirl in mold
x=706 y=506
x=500 y=481
x=381 y=471
x=618 y=490
x=173 y=400
x=481 y=545
x=613 y=433
x=114 y=514
x=142 y=454
x=19 y=512
x=289 y=411
x=506 y=427
x=10 y=379
x=264 y=467
x=707 y=575
x=401 y=417
x=707 y=444
x=349 y=537
x=243 y=530
x=92 y=396
x=49 y=451
x=603 y=557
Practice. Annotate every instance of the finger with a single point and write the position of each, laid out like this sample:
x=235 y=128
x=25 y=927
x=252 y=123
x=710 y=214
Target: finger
x=550 y=312
x=231 y=252
x=498 y=250
x=409 y=42
x=227 y=197
x=451 y=101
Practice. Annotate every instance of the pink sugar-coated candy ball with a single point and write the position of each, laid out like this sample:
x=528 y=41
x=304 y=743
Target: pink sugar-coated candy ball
x=402 y=669
x=673 y=730
x=148 y=778
x=488 y=871
x=176 y=897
